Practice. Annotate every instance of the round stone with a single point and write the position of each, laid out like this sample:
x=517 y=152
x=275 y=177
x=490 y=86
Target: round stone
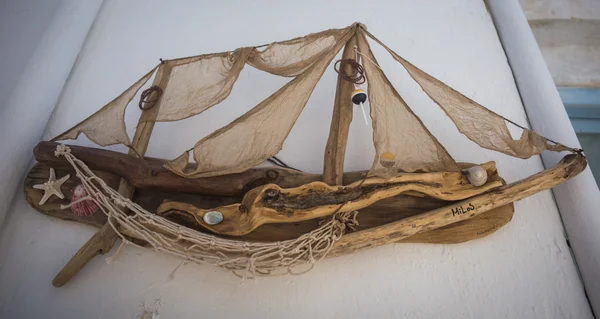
x=477 y=175
x=213 y=217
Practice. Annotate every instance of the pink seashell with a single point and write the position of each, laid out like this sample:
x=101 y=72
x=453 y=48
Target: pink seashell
x=84 y=208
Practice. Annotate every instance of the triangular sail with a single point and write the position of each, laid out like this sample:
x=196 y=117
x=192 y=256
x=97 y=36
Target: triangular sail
x=402 y=142
x=198 y=83
x=260 y=133
x=107 y=125
x=195 y=84
x=191 y=85
x=292 y=57
x=479 y=124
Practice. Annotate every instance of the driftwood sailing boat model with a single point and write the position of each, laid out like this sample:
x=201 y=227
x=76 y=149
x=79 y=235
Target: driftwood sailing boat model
x=224 y=210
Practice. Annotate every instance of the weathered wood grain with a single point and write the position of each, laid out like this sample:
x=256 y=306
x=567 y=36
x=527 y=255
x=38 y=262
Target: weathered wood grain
x=151 y=173
x=273 y=204
x=567 y=168
x=103 y=240
x=380 y=213
x=40 y=172
x=335 y=149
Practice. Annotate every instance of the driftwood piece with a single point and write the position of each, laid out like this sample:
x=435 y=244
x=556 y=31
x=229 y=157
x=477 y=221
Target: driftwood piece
x=380 y=213
x=40 y=172
x=458 y=213
x=151 y=173
x=333 y=167
x=273 y=204
x=567 y=168
x=104 y=239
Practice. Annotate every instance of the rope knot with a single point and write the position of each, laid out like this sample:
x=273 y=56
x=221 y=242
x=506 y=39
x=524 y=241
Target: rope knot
x=62 y=149
x=119 y=202
x=348 y=220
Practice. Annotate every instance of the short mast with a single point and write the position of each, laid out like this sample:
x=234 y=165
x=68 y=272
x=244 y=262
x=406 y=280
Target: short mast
x=104 y=239
x=333 y=168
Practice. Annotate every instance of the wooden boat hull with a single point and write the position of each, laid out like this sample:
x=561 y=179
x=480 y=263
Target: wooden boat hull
x=411 y=217
x=169 y=187
x=380 y=213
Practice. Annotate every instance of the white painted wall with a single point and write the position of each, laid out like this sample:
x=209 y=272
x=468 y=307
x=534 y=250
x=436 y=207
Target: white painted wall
x=21 y=29
x=579 y=198
x=39 y=42
x=522 y=271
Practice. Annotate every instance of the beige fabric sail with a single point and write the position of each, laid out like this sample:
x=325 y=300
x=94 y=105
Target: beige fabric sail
x=200 y=82
x=292 y=57
x=107 y=125
x=258 y=134
x=402 y=143
x=197 y=83
x=479 y=124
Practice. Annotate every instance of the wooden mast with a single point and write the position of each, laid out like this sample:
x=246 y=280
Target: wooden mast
x=333 y=168
x=104 y=239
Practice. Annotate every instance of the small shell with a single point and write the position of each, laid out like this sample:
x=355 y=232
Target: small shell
x=477 y=175
x=84 y=208
x=213 y=217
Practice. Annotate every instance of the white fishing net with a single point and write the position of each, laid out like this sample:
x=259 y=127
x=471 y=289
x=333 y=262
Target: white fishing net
x=128 y=219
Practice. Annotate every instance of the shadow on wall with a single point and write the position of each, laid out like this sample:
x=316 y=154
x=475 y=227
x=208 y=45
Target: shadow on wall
x=22 y=25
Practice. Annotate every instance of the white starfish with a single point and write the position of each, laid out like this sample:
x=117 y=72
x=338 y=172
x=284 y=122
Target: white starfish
x=52 y=187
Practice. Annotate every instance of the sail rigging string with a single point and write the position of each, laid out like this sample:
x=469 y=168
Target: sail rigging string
x=272 y=159
x=366 y=57
x=354 y=72
x=504 y=118
x=280 y=163
x=547 y=139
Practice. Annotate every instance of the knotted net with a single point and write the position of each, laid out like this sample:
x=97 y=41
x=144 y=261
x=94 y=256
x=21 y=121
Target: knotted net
x=129 y=220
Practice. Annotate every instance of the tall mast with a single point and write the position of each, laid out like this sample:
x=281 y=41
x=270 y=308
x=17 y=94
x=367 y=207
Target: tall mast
x=104 y=239
x=333 y=168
